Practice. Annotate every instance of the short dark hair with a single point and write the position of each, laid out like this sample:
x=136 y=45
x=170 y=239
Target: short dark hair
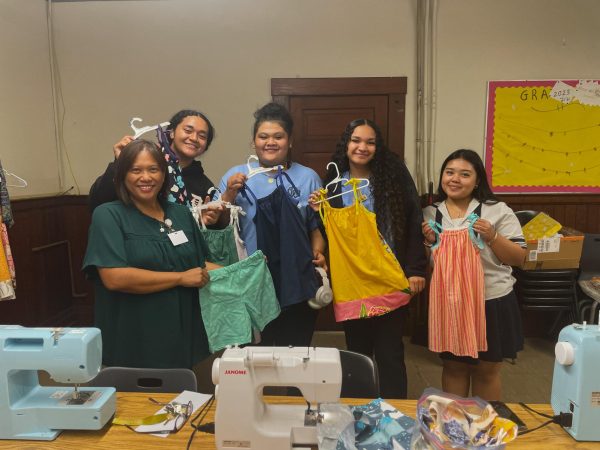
x=179 y=116
x=273 y=112
x=126 y=160
x=483 y=191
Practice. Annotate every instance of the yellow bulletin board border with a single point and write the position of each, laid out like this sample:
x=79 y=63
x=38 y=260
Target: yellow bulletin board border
x=543 y=136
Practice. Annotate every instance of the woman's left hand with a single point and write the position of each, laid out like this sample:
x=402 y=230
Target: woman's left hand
x=485 y=229
x=417 y=284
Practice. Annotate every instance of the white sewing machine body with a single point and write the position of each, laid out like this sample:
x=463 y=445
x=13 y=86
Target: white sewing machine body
x=244 y=420
x=69 y=355
x=576 y=380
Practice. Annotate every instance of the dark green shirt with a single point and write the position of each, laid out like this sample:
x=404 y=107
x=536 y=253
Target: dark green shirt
x=163 y=329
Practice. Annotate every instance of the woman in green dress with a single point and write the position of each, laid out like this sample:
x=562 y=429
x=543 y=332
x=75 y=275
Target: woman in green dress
x=146 y=257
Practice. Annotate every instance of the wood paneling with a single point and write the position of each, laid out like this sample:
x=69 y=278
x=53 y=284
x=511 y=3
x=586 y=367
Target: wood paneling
x=579 y=211
x=48 y=242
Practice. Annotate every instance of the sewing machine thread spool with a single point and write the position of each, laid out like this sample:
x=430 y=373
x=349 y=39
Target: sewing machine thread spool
x=263 y=359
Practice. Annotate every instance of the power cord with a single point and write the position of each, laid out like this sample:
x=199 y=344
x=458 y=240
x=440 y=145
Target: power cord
x=562 y=419
x=207 y=427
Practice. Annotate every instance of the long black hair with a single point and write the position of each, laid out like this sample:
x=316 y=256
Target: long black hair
x=388 y=192
x=482 y=191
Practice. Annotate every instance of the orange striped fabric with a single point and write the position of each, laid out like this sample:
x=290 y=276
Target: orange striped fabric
x=456 y=296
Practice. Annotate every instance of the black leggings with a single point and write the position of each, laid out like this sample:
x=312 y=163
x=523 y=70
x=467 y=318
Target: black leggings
x=380 y=338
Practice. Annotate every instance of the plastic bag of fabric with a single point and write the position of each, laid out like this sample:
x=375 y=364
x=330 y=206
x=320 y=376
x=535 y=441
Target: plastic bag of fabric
x=446 y=421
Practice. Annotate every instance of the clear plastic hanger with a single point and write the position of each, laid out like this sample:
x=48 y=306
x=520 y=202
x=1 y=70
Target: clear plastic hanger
x=137 y=132
x=20 y=182
x=256 y=170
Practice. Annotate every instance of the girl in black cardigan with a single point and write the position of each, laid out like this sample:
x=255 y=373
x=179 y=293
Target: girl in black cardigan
x=392 y=196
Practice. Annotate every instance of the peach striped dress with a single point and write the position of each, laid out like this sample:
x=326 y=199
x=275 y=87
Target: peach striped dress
x=456 y=296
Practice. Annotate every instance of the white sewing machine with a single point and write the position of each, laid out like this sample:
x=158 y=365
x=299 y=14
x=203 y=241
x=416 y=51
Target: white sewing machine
x=576 y=380
x=244 y=420
x=69 y=355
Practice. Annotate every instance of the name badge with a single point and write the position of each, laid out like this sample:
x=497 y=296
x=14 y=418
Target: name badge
x=178 y=237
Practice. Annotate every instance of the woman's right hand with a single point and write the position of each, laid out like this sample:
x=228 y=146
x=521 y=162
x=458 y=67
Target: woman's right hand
x=428 y=233
x=121 y=144
x=234 y=184
x=196 y=277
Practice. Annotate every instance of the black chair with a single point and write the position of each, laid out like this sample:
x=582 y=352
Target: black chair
x=548 y=290
x=360 y=378
x=132 y=379
x=589 y=267
x=525 y=216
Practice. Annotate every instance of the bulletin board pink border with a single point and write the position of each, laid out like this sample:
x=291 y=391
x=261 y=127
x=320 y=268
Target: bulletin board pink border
x=489 y=141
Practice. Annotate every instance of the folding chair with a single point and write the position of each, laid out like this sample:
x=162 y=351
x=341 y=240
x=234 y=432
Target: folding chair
x=360 y=378
x=548 y=290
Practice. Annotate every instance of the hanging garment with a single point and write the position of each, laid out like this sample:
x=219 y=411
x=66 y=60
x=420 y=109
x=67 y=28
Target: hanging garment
x=238 y=299
x=7 y=267
x=283 y=237
x=177 y=192
x=457 y=292
x=225 y=246
x=5 y=210
x=366 y=276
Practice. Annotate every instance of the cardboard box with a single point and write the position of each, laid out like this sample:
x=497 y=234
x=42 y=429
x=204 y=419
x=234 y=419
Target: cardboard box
x=555 y=253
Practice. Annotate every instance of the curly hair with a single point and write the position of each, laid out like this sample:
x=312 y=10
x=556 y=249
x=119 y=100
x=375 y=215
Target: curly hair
x=180 y=115
x=388 y=193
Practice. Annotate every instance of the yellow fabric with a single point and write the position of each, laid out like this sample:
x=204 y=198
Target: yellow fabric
x=4 y=272
x=7 y=291
x=362 y=265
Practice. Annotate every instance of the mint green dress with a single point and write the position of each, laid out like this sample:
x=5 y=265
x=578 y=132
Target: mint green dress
x=163 y=329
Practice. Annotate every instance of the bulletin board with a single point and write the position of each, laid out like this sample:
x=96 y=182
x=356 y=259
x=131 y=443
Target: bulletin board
x=543 y=136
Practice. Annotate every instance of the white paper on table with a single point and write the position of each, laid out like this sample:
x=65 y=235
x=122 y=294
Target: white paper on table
x=197 y=400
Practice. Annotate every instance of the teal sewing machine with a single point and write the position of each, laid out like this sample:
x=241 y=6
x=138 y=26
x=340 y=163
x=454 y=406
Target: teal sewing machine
x=69 y=355
x=576 y=381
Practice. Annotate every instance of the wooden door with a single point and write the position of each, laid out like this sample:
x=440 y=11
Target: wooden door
x=321 y=109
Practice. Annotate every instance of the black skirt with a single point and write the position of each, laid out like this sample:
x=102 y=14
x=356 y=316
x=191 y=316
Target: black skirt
x=503 y=328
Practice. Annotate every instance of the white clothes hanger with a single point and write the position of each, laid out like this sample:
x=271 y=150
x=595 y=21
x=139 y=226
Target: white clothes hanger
x=198 y=205
x=360 y=188
x=343 y=182
x=338 y=178
x=137 y=132
x=256 y=170
x=21 y=183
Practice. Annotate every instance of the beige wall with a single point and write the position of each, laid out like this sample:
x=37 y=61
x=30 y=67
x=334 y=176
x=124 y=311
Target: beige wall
x=28 y=146
x=150 y=58
x=482 y=40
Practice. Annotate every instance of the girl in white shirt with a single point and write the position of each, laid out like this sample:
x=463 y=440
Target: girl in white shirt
x=462 y=188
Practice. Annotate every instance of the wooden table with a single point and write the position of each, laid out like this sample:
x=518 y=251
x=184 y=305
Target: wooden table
x=137 y=405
